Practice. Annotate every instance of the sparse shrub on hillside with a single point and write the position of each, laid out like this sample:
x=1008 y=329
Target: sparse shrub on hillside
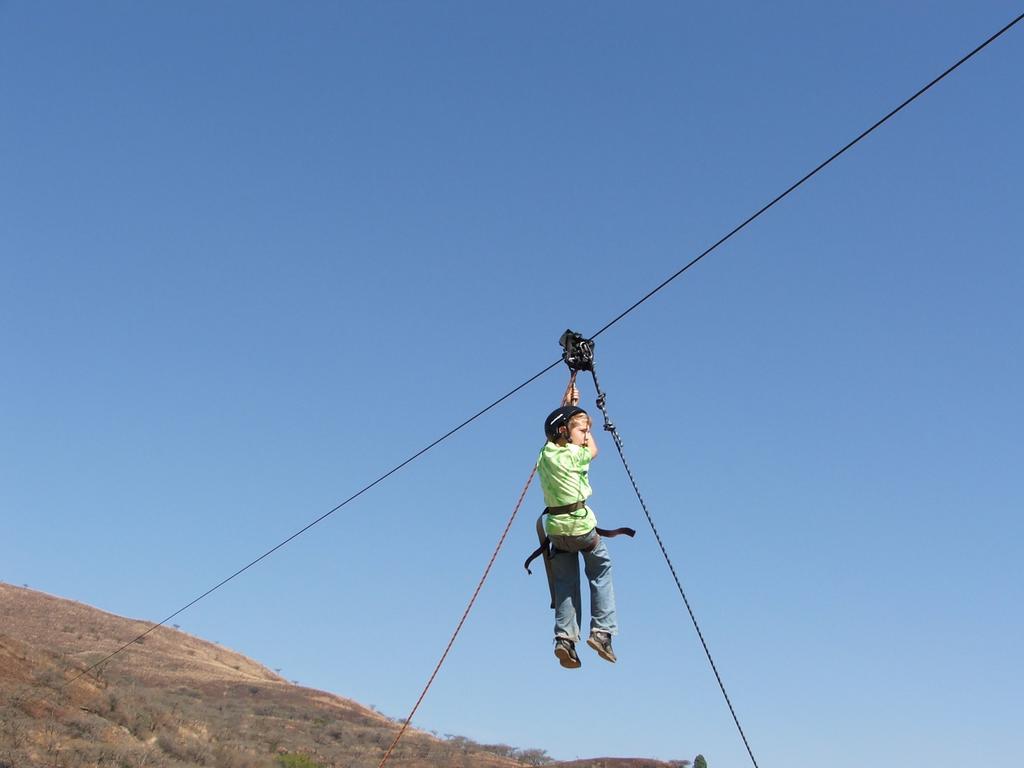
x=12 y=733
x=225 y=757
x=502 y=750
x=296 y=761
x=461 y=743
x=49 y=678
x=191 y=753
x=533 y=756
x=88 y=728
x=170 y=746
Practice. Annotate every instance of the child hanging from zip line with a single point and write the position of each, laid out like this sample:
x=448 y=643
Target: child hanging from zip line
x=571 y=528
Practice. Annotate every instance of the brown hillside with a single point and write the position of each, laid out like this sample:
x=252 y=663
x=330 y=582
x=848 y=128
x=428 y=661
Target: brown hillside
x=173 y=700
x=83 y=635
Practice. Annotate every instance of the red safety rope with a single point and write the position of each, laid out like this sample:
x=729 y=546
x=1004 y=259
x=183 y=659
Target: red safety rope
x=462 y=621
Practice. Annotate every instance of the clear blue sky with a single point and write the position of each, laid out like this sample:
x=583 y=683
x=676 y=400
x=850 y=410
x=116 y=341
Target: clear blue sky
x=253 y=255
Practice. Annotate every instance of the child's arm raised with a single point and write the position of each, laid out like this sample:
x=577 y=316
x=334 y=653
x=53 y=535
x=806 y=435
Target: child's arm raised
x=571 y=396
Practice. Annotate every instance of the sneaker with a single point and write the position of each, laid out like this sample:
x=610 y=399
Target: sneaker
x=565 y=651
x=602 y=643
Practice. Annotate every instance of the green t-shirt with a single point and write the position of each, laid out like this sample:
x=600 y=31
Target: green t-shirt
x=563 y=478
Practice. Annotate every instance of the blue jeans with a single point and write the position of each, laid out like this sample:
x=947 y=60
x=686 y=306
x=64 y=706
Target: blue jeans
x=566 y=569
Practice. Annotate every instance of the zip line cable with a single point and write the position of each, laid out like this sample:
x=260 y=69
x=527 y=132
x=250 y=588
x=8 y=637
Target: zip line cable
x=809 y=174
x=610 y=427
x=322 y=517
x=462 y=621
x=536 y=376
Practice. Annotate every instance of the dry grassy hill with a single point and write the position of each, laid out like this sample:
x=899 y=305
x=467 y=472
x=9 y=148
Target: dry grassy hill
x=173 y=700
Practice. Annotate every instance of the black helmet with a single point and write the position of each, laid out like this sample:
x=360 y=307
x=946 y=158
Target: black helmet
x=559 y=418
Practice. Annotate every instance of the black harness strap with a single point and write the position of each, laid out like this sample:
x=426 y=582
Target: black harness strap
x=602 y=532
x=548 y=550
x=564 y=510
x=543 y=549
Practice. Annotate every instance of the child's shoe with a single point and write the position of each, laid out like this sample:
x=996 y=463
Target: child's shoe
x=602 y=643
x=565 y=651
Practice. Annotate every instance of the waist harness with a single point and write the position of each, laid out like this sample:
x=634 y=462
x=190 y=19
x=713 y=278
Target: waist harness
x=547 y=549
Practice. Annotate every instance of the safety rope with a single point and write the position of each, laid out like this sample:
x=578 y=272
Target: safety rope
x=610 y=427
x=462 y=621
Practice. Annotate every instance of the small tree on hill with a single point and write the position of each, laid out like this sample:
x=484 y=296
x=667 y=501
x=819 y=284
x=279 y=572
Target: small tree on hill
x=533 y=756
x=700 y=762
